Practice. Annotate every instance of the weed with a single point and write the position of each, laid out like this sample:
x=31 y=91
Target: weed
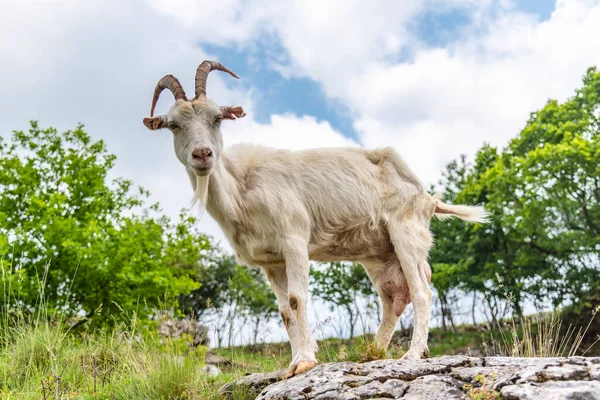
x=483 y=392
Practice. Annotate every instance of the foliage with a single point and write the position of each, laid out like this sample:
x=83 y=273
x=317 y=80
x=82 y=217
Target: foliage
x=254 y=298
x=131 y=362
x=365 y=349
x=230 y=292
x=95 y=245
x=341 y=285
x=541 y=335
x=578 y=314
x=485 y=391
x=214 y=272
x=543 y=195
x=44 y=360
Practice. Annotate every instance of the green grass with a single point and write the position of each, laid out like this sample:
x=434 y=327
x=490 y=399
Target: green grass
x=43 y=360
x=42 y=357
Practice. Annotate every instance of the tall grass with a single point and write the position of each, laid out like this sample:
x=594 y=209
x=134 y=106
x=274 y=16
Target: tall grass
x=42 y=355
x=540 y=335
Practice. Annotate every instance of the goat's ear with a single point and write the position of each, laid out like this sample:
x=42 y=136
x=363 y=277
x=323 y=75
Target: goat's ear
x=232 y=112
x=156 y=122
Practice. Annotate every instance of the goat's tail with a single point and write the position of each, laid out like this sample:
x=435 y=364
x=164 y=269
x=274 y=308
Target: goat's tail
x=474 y=214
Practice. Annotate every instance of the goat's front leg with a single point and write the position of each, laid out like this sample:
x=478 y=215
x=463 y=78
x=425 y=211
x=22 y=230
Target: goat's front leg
x=297 y=270
x=278 y=280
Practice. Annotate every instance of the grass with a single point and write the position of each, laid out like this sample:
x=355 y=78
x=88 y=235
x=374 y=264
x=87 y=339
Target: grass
x=41 y=357
x=43 y=360
x=542 y=335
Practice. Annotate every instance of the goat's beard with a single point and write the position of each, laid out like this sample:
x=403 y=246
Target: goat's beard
x=201 y=193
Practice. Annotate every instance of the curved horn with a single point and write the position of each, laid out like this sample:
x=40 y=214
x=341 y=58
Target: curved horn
x=171 y=83
x=202 y=74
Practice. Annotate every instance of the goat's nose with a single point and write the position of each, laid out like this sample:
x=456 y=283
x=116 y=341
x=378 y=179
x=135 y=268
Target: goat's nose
x=202 y=152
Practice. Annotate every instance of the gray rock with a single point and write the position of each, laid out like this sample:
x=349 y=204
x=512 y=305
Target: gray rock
x=436 y=378
x=551 y=390
x=222 y=362
x=210 y=370
x=434 y=387
x=250 y=383
x=175 y=328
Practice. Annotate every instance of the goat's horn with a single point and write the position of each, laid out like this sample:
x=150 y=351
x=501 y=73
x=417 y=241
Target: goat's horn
x=171 y=83
x=202 y=74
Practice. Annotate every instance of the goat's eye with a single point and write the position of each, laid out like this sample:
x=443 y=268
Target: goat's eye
x=173 y=125
x=218 y=119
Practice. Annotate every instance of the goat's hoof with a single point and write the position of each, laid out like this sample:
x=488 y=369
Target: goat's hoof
x=299 y=368
x=414 y=355
x=304 y=366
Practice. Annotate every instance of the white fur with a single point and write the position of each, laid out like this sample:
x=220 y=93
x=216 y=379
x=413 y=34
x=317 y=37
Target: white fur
x=467 y=213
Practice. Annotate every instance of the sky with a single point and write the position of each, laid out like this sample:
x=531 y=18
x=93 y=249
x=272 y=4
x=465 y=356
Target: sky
x=432 y=78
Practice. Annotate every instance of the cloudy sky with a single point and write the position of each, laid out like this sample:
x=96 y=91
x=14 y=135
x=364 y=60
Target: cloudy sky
x=432 y=78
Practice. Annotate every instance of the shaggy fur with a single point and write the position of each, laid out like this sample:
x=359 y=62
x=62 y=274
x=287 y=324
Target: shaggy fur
x=279 y=209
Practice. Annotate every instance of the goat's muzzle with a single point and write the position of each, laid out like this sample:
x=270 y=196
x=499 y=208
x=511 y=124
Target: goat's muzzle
x=202 y=160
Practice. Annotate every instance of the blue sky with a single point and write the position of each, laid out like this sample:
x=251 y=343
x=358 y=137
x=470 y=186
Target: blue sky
x=433 y=79
x=297 y=95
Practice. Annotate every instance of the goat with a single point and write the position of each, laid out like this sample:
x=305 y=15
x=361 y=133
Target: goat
x=279 y=209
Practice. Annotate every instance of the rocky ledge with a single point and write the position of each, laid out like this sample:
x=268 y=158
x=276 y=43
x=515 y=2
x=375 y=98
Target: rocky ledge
x=450 y=377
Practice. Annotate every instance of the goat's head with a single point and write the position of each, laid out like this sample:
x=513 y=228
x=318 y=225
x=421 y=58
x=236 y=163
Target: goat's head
x=195 y=123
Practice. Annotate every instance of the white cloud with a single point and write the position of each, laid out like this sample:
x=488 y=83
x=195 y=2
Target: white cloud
x=449 y=101
x=288 y=131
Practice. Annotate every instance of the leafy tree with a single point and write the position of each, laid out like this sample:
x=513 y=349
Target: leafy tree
x=341 y=284
x=255 y=299
x=215 y=271
x=551 y=177
x=230 y=294
x=86 y=244
x=445 y=256
x=543 y=195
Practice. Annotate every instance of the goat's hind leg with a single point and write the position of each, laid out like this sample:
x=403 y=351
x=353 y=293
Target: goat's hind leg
x=412 y=240
x=393 y=292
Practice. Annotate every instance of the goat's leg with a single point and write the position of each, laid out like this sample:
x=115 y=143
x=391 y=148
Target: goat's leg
x=412 y=241
x=393 y=294
x=297 y=269
x=278 y=279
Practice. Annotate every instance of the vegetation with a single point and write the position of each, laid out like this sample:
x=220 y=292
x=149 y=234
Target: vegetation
x=42 y=359
x=543 y=195
x=484 y=392
x=63 y=223
x=342 y=285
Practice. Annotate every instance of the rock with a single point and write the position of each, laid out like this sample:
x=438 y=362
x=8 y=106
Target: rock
x=250 y=383
x=435 y=378
x=176 y=328
x=572 y=390
x=222 y=362
x=210 y=370
x=215 y=359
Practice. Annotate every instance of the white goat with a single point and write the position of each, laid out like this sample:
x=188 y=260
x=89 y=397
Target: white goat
x=279 y=209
